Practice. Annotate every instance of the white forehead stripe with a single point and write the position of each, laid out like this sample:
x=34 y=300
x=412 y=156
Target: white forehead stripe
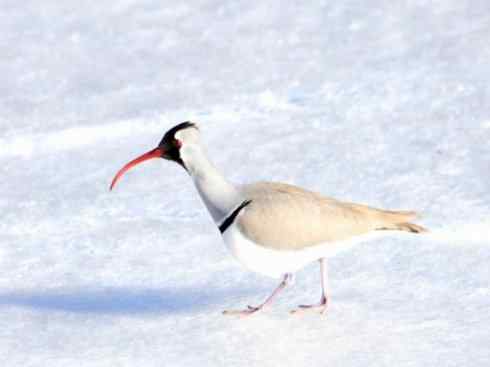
x=188 y=135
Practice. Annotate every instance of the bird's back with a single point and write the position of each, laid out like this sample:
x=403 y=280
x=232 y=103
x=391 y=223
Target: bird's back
x=287 y=217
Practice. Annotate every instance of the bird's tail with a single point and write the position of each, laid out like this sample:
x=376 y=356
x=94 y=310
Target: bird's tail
x=390 y=220
x=407 y=227
x=399 y=221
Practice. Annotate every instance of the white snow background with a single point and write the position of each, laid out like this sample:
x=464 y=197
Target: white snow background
x=380 y=102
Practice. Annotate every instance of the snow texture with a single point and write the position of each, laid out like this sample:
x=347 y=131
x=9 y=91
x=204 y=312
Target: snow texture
x=380 y=102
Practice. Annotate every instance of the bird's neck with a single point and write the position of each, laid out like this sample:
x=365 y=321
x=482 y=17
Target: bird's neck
x=218 y=194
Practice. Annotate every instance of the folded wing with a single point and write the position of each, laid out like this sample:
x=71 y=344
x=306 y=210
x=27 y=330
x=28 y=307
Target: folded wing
x=286 y=217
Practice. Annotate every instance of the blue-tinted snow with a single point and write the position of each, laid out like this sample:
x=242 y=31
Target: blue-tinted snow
x=381 y=102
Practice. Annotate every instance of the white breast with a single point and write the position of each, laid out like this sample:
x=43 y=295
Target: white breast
x=274 y=263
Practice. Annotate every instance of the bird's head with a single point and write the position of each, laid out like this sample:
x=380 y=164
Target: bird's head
x=170 y=147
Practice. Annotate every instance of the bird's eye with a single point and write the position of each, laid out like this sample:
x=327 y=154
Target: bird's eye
x=178 y=143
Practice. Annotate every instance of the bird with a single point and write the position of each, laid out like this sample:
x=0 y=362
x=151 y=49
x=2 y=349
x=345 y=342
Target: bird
x=274 y=229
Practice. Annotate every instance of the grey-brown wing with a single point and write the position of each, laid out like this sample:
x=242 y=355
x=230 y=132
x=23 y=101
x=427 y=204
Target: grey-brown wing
x=283 y=216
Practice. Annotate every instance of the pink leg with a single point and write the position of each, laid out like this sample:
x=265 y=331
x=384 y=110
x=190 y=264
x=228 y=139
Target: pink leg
x=323 y=304
x=252 y=309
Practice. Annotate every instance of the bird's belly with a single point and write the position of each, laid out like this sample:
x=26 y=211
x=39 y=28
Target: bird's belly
x=257 y=258
x=276 y=263
x=266 y=261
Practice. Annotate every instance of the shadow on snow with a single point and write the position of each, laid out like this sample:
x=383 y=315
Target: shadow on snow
x=121 y=300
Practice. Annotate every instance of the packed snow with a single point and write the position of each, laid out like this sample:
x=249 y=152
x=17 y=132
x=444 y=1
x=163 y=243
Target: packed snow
x=382 y=102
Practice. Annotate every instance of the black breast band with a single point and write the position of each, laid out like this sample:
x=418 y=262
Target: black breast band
x=231 y=218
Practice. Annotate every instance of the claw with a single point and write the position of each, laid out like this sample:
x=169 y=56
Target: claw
x=242 y=313
x=301 y=310
x=319 y=307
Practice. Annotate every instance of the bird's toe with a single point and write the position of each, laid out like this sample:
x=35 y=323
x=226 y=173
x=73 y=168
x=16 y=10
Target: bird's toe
x=320 y=308
x=250 y=310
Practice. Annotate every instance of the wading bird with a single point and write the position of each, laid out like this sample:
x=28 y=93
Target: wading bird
x=274 y=229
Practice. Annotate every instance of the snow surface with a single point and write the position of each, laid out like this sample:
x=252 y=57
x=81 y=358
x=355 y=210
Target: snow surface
x=382 y=102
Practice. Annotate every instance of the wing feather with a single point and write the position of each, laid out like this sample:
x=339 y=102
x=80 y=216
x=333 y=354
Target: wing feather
x=287 y=217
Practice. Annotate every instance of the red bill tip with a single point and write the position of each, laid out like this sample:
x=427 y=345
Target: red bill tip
x=155 y=153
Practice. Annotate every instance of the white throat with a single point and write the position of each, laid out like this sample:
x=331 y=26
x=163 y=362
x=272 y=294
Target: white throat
x=218 y=194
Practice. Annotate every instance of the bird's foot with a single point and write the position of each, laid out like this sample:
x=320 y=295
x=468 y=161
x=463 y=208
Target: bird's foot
x=250 y=310
x=318 y=307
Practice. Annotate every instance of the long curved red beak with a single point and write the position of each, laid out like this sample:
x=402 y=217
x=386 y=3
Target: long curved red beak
x=155 y=153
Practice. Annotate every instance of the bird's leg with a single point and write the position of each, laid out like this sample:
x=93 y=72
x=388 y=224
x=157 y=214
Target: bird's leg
x=323 y=304
x=252 y=309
